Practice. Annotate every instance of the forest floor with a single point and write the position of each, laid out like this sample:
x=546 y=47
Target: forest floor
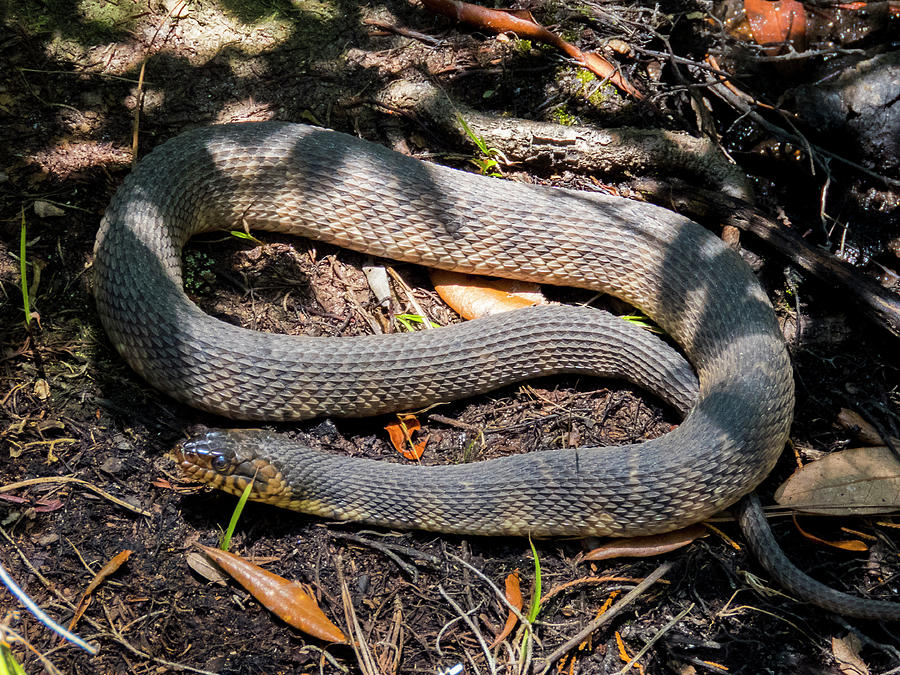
x=71 y=407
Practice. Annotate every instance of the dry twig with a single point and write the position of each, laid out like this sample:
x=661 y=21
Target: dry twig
x=547 y=663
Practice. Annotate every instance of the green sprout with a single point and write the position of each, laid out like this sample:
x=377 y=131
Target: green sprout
x=487 y=165
x=240 y=234
x=409 y=321
x=643 y=321
x=225 y=541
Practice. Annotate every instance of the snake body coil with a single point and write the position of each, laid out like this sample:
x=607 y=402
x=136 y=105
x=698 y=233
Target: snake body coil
x=335 y=188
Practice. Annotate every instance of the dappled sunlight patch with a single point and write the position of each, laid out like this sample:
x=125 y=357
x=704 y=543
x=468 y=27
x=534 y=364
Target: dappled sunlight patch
x=109 y=37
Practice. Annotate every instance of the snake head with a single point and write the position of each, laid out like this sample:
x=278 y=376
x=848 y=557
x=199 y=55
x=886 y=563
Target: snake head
x=231 y=459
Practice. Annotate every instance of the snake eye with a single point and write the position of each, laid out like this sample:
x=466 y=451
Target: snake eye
x=219 y=463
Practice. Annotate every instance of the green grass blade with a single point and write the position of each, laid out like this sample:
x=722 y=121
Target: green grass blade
x=225 y=542
x=475 y=138
x=534 y=607
x=246 y=236
x=8 y=663
x=23 y=270
x=536 y=593
x=643 y=321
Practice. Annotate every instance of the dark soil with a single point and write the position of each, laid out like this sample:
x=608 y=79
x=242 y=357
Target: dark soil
x=69 y=406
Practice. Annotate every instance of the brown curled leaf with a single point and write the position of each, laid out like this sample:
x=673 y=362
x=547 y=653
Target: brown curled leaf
x=473 y=296
x=401 y=433
x=513 y=597
x=639 y=547
x=290 y=601
x=523 y=24
x=109 y=568
x=845 y=545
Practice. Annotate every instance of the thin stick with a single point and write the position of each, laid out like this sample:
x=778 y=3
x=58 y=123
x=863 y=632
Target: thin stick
x=409 y=294
x=384 y=548
x=8 y=635
x=101 y=632
x=176 y=8
x=500 y=594
x=662 y=631
x=360 y=646
x=606 y=617
x=471 y=624
x=77 y=481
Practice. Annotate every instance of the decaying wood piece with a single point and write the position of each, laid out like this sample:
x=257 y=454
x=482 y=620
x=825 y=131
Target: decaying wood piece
x=875 y=302
x=623 y=150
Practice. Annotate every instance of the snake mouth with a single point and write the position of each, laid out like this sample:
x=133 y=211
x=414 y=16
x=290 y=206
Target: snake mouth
x=223 y=459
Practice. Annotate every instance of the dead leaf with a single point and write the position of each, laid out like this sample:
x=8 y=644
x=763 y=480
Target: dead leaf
x=513 y=597
x=109 y=568
x=44 y=209
x=42 y=389
x=845 y=545
x=203 y=566
x=523 y=24
x=401 y=432
x=42 y=505
x=856 y=481
x=640 y=547
x=377 y=277
x=289 y=600
x=473 y=296
x=777 y=22
x=846 y=654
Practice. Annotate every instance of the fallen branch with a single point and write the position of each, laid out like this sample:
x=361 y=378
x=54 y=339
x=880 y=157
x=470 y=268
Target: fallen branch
x=874 y=301
x=583 y=149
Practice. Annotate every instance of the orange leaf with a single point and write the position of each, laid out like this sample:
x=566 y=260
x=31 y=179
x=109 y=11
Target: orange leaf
x=523 y=24
x=514 y=597
x=400 y=433
x=109 y=568
x=846 y=545
x=473 y=296
x=639 y=547
x=290 y=601
x=778 y=21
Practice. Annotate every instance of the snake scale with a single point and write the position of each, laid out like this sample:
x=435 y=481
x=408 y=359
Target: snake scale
x=338 y=189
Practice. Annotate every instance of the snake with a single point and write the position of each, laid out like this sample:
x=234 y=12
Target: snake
x=735 y=388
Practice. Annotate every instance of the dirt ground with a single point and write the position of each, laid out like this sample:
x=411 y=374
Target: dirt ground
x=70 y=407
